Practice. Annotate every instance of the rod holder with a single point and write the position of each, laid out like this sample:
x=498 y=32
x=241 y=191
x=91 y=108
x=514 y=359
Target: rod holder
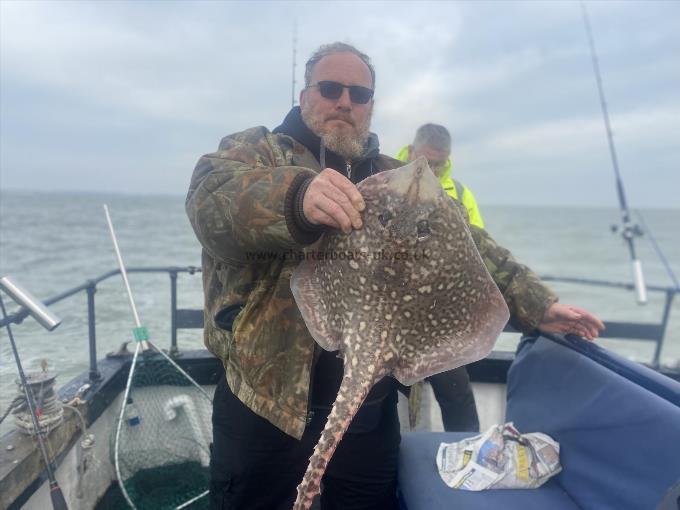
x=35 y=308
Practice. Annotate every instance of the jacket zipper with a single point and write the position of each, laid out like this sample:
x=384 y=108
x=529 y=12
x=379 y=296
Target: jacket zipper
x=349 y=170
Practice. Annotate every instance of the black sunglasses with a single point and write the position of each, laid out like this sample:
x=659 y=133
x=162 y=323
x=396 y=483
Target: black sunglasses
x=333 y=90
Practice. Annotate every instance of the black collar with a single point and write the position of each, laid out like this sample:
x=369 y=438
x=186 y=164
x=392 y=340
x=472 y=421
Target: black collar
x=294 y=126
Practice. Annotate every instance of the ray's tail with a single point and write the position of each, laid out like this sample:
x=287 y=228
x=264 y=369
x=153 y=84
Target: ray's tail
x=352 y=392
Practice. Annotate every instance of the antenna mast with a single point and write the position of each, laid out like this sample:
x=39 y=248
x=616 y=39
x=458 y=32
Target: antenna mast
x=292 y=92
x=629 y=230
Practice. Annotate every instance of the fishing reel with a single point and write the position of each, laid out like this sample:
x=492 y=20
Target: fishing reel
x=628 y=231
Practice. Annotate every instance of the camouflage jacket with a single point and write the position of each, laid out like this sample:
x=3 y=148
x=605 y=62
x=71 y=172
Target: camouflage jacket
x=239 y=204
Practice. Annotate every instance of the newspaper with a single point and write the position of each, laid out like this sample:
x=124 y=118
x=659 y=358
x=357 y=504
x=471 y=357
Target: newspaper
x=501 y=458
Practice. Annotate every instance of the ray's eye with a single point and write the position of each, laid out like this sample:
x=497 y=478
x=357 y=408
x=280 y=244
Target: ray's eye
x=384 y=218
x=423 y=229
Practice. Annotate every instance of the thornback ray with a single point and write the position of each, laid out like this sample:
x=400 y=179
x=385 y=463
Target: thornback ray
x=406 y=295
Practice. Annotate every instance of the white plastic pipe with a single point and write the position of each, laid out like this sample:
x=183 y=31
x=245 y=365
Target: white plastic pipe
x=185 y=402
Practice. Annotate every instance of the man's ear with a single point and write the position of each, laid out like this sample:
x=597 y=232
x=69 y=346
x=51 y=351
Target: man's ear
x=302 y=97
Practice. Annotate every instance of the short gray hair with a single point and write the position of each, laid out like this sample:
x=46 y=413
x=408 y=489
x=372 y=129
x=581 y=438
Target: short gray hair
x=332 y=49
x=433 y=135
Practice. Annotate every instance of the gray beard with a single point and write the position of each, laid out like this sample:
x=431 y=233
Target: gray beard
x=349 y=147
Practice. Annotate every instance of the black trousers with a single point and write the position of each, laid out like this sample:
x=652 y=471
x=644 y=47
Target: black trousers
x=457 y=402
x=256 y=466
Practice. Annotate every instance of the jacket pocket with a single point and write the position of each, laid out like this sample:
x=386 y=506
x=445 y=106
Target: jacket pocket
x=224 y=319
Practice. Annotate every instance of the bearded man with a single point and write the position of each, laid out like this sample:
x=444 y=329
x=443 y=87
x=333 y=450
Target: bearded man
x=254 y=204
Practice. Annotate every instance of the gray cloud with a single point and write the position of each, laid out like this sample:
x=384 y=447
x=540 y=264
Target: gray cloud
x=125 y=96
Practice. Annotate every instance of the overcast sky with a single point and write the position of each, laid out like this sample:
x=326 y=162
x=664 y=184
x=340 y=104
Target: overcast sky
x=126 y=96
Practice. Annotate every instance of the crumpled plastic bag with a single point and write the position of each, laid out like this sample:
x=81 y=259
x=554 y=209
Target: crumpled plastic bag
x=500 y=458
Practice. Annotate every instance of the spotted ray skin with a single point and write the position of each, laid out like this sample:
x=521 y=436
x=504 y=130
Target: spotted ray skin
x=432 y=308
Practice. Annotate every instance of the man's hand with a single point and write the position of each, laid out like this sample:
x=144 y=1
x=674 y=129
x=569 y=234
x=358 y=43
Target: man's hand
x=570 y=319
x=331 y=199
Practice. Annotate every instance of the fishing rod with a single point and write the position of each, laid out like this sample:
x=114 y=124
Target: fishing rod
x=659 y=252
x=629 y=230
x=49 y=321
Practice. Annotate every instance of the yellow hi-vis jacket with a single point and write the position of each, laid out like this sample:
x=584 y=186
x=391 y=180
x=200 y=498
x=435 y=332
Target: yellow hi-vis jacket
x=454 y=189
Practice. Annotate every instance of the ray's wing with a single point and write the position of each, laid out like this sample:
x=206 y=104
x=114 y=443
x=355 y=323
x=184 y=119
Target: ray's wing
x=455 y=312
x=314 y=301
x=422 y=355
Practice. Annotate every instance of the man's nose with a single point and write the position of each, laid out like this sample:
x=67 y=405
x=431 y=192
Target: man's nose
x=344 y=102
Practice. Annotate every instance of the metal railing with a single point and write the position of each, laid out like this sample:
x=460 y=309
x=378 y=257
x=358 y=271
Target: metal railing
x=184 y=318
x=650 y=332
x=90 y=288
